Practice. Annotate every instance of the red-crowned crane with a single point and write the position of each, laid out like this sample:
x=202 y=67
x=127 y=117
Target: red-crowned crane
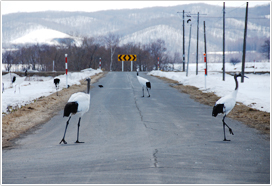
x=79 y=104
x=56 y=82
x=225 y=104
x=144 y=83
x=17 y=81
x=13 y=81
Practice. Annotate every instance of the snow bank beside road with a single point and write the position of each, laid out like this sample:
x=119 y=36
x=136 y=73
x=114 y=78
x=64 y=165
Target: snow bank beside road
x=254 y=92
x=37 y=87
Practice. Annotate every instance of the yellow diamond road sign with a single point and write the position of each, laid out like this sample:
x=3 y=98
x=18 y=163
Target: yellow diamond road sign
x=124 y=57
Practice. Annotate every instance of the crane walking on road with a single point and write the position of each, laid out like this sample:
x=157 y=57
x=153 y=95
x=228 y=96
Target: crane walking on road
x=79 y=103
x=225 y=104
x=145 y=83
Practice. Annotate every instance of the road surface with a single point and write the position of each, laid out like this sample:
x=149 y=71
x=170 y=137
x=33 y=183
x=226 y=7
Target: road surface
x=167 y=138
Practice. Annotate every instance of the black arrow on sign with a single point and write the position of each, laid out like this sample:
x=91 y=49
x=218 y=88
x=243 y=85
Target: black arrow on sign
x=119 y=57
x=133 y=57
x=123 y=57
x=129 y=57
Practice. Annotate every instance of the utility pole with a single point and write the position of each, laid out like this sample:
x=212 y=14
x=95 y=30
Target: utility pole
x=197 y=43
x=188 y=50
x=223 y=41
x=183 y=41
x=197 y=39
x=244 y=46
x=183 y=46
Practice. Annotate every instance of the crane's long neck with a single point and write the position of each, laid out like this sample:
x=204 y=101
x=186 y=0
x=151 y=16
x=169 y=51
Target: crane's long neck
x=88 y=87
x=234 y=93
x=236 y=82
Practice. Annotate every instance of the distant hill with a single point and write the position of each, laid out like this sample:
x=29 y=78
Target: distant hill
x=148 y=24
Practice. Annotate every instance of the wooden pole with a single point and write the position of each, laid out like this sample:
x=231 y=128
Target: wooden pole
x=244 y=46
x=223 y=41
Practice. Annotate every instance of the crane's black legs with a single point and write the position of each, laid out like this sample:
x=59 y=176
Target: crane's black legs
x=78 y=125
x=148 y=92
x=65 y=132
x=230 y=130
x=57 y=90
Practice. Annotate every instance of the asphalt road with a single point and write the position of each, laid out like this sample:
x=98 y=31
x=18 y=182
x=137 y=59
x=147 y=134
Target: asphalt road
x=129 y=139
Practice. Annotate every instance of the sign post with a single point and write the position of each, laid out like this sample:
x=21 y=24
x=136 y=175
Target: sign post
x=122 y=66
x=158 y=63
x=66 y=69
x=124 y=57
x=100 y=63
x=205 y=64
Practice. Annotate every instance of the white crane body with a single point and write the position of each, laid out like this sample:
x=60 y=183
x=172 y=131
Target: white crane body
x=83 y=101
x=228 y=101
x=78 y=104
x=144 y=83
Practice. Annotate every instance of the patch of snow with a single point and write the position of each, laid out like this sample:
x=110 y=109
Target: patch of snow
x=254 y=92
x=35 y=87
x=43 y=35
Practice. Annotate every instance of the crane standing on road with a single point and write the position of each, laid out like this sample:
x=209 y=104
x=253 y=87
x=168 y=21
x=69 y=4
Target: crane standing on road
x=225 y=104
x=145 y=83
x=78 y=103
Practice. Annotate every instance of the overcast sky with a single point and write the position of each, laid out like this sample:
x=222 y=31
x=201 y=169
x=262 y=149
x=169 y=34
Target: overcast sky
x=92 y=6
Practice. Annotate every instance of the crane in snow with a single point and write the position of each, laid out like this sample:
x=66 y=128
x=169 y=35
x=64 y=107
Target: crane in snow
x=78 y=104
x=17 y=81
x=225 y=104
x=144 y=83
x=56 y=82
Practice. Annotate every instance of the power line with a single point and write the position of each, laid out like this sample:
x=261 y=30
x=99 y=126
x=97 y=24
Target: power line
x=236 y=17
x=236 y=8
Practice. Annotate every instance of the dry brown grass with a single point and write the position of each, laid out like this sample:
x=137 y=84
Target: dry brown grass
x=44 y=108
x=252 y=117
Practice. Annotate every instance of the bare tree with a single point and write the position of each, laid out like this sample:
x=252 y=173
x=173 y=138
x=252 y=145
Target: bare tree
x=266 y=48
x=91 y=46
x=8 y=59
x=111 y=41
x=157 y=50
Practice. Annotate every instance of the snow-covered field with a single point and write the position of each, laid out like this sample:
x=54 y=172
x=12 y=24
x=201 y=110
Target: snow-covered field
x=36 y=86
x=254 y=92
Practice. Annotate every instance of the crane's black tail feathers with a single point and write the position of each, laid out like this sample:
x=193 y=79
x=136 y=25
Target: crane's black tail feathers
x=56 y=81
x=148 y=85
x=217 y=109
x=70 y=107
x=13 y=79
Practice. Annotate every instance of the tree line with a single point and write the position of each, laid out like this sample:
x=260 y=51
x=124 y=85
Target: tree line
x=87 y=55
